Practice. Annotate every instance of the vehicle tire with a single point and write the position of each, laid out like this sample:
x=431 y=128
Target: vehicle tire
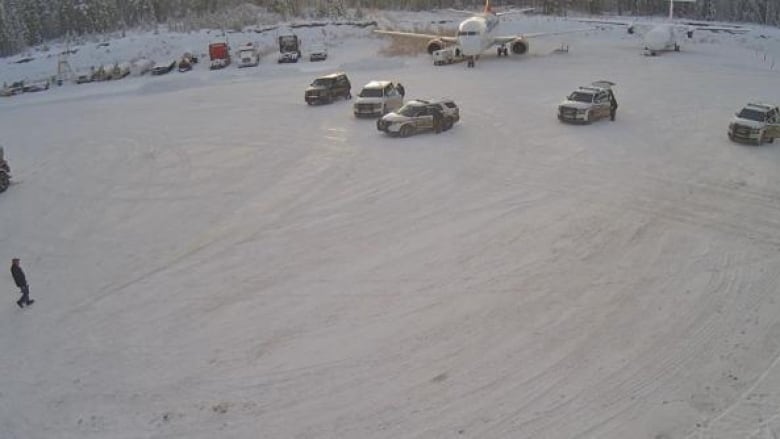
x=448 y=123
x=406 y=131
x=676 y=47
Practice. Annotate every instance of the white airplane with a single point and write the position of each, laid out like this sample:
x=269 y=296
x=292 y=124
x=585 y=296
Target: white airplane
x=663 y=37
x=476 y=34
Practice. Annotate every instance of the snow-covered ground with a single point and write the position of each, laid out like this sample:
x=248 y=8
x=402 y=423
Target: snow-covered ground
x=212 y=258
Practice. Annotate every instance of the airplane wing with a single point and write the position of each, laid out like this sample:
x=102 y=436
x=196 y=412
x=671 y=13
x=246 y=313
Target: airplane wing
x=724 y=29
x=416 y=35
x=510 y=38
x=461 y=11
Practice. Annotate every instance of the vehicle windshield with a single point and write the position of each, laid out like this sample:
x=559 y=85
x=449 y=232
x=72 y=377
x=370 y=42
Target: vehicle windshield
x=749 y=114
x=322 y=82
x=409 y=110
x=578 y=96
x=371 y=93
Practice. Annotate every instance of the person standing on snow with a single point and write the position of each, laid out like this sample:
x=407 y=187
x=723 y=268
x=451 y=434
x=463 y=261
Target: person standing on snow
x=21 y=282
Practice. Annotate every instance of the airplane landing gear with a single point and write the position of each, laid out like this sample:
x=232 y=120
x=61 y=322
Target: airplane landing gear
x=502 y=50
x=470 y=62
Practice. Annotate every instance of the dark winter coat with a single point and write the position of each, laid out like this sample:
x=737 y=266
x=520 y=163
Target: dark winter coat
x=18 y=275
x=612 y=102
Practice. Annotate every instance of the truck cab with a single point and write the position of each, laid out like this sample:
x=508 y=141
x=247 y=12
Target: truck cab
x=289 y=48
x=378 y=98
x=248 y=56
x=219 y=54
x=755 y=123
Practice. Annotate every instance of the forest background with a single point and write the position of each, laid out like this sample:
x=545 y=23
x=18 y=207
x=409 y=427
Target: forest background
x=27 y=23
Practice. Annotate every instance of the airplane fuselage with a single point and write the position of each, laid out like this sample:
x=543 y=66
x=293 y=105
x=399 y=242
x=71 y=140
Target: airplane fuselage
x=475 y=34
x=661 y=38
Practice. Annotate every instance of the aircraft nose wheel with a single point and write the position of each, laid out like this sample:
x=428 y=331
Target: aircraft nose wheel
x=470 y=62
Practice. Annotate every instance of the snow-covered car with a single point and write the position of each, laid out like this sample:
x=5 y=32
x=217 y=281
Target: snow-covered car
x=327 y=88
x=587 y=104
x=84 y=78
x=31 y=87
x=318 y=52
x=187 y=62
x=13 y=89
x=755 y=123
x=248 y=56
x=161 y=69
x=420 y=115
x=378 y=98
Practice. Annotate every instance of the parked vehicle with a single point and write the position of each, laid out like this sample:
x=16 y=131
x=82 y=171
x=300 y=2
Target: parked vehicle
x=84 y=78
x=448 y=55
x=31 y=87
x=248 y=56
x=755 y=123
x=327 y=88
x=318 y=52
x=289 y=48
x=12 y=90
x=219 y=54
x=162 y=69
x=117 y=71
x=5 y=172
x=587 y=104
x=378 y=98
x=187 y=61
x=140 y=66
x=420 y=115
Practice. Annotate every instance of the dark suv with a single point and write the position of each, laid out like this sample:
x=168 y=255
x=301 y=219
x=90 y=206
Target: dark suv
x=327 y=88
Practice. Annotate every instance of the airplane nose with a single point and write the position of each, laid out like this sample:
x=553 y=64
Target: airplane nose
x=469 y=46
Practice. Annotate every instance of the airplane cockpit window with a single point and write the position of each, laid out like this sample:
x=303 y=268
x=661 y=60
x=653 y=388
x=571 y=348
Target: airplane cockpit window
x=579 y=96
x=464 y=33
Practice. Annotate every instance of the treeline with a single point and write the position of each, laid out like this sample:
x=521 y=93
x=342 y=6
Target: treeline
x=25 y=23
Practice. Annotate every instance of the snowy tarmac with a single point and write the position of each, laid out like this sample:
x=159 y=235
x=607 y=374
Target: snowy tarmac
x=211 y=257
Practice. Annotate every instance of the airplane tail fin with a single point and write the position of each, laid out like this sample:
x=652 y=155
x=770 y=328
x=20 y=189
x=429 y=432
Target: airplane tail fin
x=487 y=9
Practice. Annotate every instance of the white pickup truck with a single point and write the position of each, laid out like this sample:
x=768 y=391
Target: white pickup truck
x=755 y=123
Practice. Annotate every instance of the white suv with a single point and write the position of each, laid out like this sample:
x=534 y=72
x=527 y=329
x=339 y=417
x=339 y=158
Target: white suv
x=587 y=104
x=755 y=123
x=378 y=98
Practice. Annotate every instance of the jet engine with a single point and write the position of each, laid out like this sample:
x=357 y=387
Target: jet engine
x=631 y=30
x=689 y=32
x=435 y=45
x=519 y=46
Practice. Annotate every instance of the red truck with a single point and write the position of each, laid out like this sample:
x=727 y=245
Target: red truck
x=219 y=53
